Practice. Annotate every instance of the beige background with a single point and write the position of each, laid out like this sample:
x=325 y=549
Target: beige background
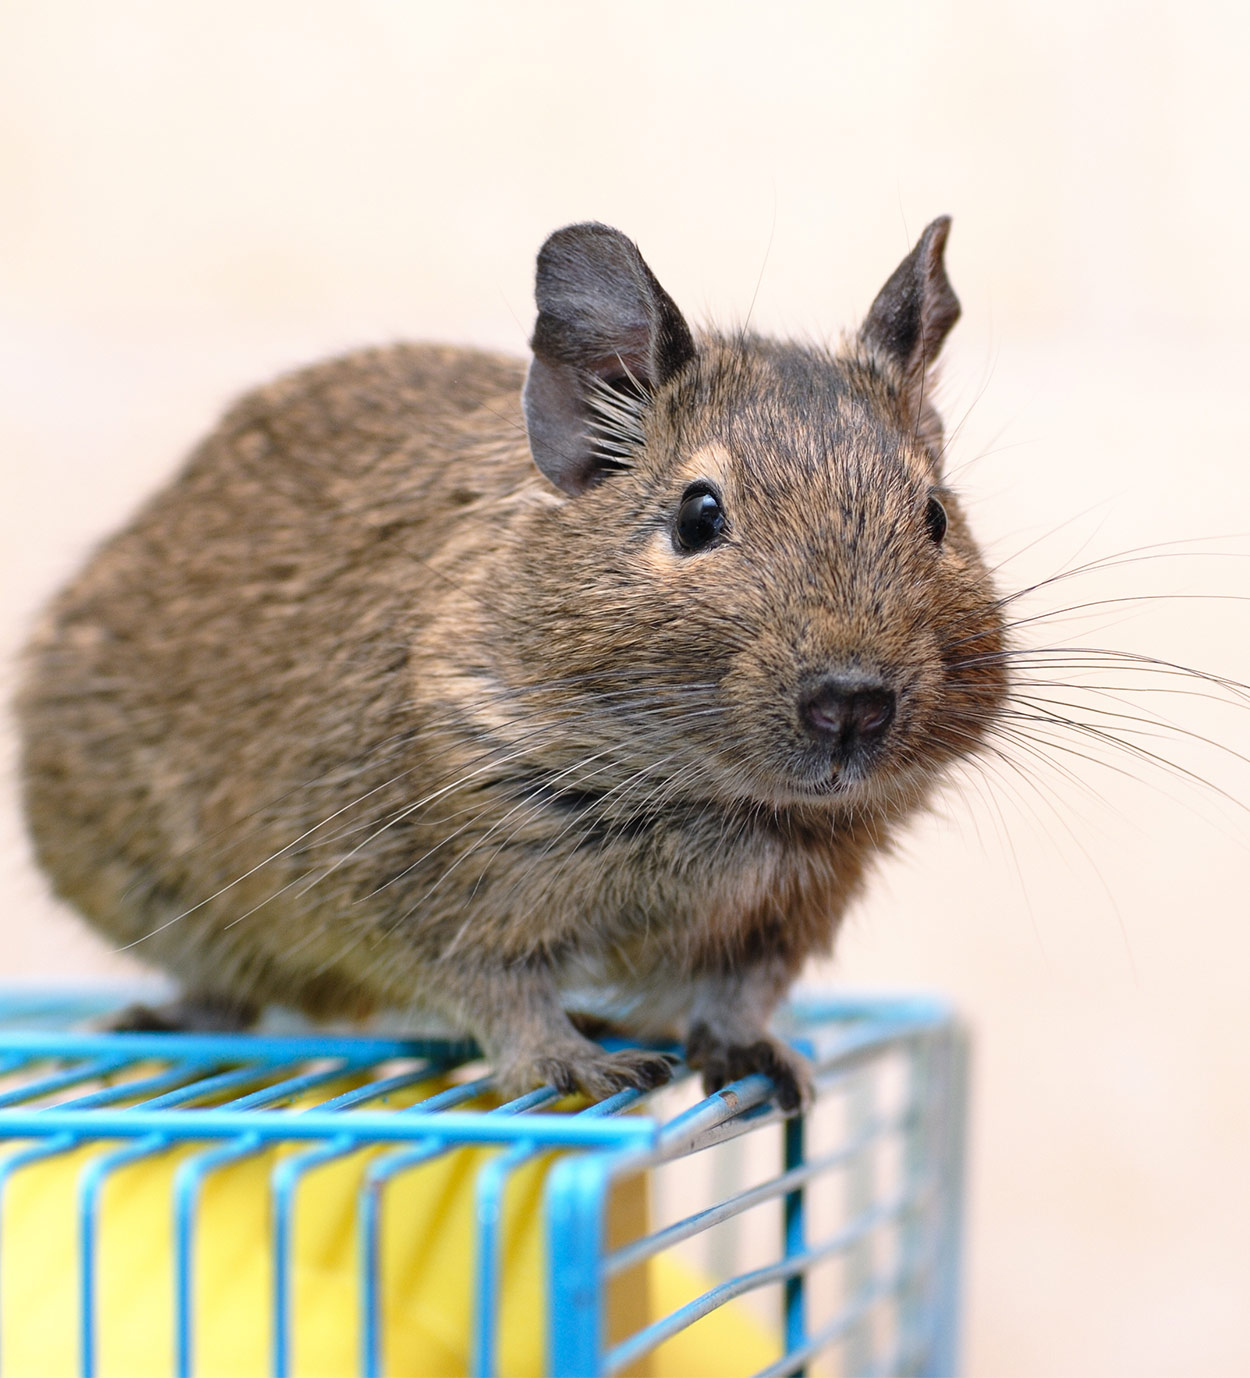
x=195 y=196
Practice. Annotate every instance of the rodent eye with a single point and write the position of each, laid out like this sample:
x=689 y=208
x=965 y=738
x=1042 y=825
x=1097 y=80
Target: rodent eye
x=935 y=521
x=700 y=519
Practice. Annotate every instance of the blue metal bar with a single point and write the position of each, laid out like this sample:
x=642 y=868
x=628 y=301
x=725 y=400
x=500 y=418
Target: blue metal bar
x=50 y=1148
x=944 y=1361
x=576 y=1194
x=378 y=1127
x=186 y=1095
x=853 y=1315
x=861 y=1188
x=913 y=1353
x=84 y=1071
x=576 y=1198
x=915 y=1301
x=99 y=1169
x=630 y=1255
x=793 y=1237
x=286 y=1177
x=381 y=1172
x=386 y=1086
x=108 y=1095
x=850 y=1317
x=840 y=1049
x=287 y=1089
x=284 y=1181
x=809 y=1007
x=90 y=1193
x=243 y=1047
x=371 y=1228
x=189 y=1181
x=643 y=1341
x=125 y=1090
x=491 y=1186
x=733 y=1110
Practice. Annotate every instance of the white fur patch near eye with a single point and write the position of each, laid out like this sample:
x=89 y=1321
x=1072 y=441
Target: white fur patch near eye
x=712 y=462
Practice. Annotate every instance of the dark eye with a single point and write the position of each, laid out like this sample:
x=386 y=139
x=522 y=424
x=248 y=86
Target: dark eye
x=935 y=520
x=700 y=519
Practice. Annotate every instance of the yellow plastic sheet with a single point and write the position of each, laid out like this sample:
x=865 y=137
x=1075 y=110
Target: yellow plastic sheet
x=428 y=1238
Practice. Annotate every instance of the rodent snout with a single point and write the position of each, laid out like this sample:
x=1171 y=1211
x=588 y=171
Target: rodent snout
x=848 y=712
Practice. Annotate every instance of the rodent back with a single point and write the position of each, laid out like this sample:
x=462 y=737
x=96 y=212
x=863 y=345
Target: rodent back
x=233 y=667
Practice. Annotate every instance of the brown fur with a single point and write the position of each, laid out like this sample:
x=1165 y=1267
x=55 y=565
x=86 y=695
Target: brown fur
x=363 y=712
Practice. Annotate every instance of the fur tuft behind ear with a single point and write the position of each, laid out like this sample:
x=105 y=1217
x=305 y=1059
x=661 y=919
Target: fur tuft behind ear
x=607 y=335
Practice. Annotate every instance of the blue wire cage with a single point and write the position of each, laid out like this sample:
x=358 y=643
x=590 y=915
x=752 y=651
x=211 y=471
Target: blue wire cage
x=841 y=1227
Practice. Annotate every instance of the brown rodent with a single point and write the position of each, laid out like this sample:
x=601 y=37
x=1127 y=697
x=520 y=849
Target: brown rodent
x=429 y=684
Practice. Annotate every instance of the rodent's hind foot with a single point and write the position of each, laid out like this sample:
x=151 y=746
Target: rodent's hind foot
x=589 y=1069
x=191 y=1013
x=722 y=1059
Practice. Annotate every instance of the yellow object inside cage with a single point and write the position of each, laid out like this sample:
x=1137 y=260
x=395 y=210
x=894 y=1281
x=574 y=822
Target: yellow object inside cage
x=426 y=1273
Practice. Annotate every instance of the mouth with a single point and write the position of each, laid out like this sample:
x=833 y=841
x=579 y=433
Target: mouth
x=838 y=779
x=810 y=784
x=785 y=769
x=850 y=785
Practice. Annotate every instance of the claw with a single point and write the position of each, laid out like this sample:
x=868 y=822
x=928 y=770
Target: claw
x=722 y=1061
x=592 y=1071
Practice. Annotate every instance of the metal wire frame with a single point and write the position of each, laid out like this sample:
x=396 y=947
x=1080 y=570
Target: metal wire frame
x=232 y=1096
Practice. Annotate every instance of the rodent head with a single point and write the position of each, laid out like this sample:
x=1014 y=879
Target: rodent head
x=756 y=582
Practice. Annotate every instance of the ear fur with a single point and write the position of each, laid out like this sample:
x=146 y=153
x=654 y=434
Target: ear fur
x=913 y=315
x=607 y=335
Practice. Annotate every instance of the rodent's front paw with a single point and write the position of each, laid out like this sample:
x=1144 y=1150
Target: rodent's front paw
x=588 y=1069
x=722 y=1059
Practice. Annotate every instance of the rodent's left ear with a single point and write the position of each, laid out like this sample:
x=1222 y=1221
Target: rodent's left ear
x=607 y=334
x=914 y=311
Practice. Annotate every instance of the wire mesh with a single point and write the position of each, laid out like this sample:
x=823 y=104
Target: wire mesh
x=313 y=1203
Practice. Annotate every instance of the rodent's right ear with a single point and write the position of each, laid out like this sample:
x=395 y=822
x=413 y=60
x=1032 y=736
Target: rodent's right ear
x=607 y=335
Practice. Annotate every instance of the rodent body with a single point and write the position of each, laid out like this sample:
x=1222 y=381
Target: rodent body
x=436 y=686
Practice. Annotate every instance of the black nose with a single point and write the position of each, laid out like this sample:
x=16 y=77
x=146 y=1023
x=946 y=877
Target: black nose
x=848 y=711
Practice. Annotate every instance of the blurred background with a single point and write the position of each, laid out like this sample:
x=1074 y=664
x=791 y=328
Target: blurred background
x=198 y=196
